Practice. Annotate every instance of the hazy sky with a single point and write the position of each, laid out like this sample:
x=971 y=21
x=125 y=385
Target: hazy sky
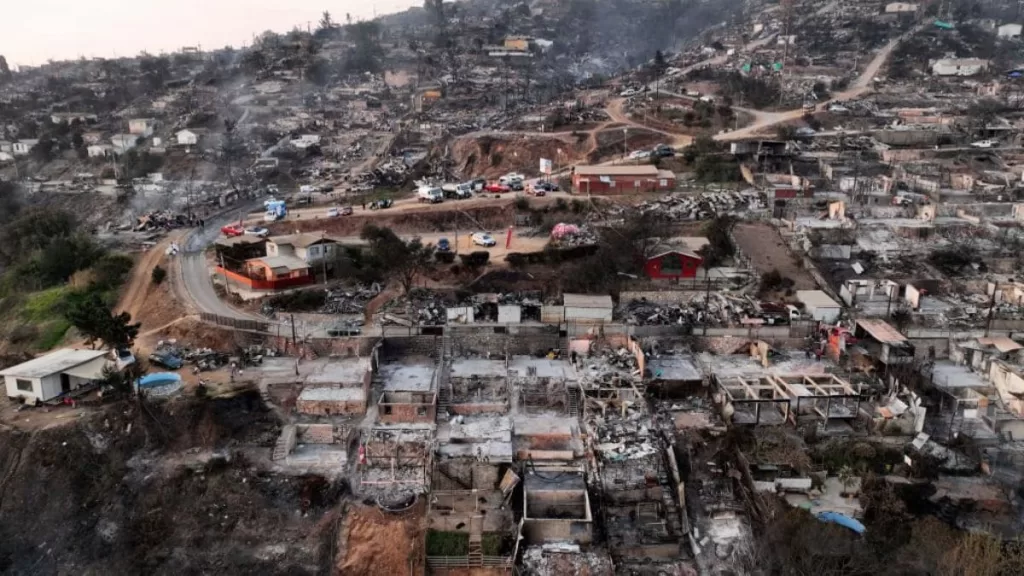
x=38 y=30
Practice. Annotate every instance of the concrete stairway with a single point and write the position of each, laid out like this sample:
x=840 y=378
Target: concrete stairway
x=575 y=401
x=284 y=444
x=476 y=552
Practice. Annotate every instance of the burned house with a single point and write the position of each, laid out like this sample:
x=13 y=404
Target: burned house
x=543 y=384
x=637 y=480
x=396 y=460
x=556 y=506
x=472 y=488
x=775 y=399
x=340 y=387
x=477 y=386
x=878 y=340
x=318 y=447
x=674 y=375
x=409 y=392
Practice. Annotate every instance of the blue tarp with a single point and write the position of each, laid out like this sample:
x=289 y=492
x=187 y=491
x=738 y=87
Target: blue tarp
x=158 y=379
x=845 y=521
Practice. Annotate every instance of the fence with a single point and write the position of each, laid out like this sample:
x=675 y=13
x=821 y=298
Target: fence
x=467 y=562
x=258 y=284
x=235 y=323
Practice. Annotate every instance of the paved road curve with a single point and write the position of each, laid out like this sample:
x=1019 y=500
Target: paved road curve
x=195 y=274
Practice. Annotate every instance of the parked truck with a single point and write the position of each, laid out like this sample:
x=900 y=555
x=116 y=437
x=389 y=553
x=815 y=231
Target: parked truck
x=430 y=194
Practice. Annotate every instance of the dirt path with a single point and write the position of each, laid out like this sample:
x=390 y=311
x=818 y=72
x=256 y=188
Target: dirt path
x=142 y=276
x=766 y=250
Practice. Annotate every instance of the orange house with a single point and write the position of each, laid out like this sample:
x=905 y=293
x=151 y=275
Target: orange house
x=277 y=268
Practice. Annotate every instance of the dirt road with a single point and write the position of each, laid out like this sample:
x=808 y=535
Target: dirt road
x=141 y=281
x=860 y=87
x=767 y=252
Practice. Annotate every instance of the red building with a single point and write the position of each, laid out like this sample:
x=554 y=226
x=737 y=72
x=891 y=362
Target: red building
x=672 y=265
x=611 y=180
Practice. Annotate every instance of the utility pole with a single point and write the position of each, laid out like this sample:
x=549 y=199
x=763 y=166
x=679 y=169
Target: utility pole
x=323 y=257
x=227 y=288
x=787 y=16
x=991 y=309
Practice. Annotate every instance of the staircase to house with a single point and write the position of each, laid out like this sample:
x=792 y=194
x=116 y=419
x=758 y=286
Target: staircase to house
x=575 y=401
x=284 y=443
x=444 y=391
x=476 y=551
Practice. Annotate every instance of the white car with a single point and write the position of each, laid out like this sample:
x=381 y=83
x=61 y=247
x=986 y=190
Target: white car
x=258 y=231
x=484 y=239
x=629 y=92
x=639 y=154
x=985 y=144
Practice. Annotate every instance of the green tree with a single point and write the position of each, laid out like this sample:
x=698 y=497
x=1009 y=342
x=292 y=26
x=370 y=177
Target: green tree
x=111 y=270
x=33 y=231
x=93 y=317
x=65 y=255
x=400 y=260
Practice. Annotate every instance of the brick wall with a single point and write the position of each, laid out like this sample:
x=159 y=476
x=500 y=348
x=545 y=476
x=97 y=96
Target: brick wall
x=314 y=433
x=406 y=413
x=663 y=297
x=478 y=408
x=344 y=347
x=330 y=407
x=517 y=340
x=402 y=346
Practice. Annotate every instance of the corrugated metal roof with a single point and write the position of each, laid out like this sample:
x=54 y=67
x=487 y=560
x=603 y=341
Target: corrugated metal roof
x=1001 y=343
x=816 y=299
x=882 y=331
x=641 y=170
x=289 y=262
x=53 y=363
x=302 y=240
x=587 y=300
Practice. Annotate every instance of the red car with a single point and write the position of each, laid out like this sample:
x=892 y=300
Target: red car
x=232 y=230
x=496 y=188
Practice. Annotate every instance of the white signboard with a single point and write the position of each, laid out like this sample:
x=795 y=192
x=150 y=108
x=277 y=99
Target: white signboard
x=545 y=166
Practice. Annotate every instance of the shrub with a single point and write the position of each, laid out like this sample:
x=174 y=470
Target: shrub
x=111 y=270
x=445 y=257
x=475 y=259
x=516 y=260
x=158 y=275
